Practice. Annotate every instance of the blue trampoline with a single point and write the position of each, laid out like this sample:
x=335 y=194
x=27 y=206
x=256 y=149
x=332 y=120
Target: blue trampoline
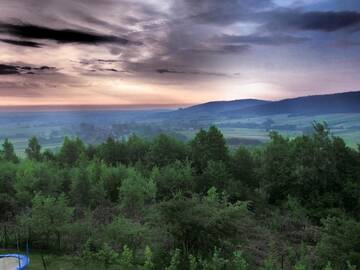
x=13 y=261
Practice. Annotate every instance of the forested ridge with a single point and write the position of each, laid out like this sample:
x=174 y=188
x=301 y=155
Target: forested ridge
x=166 y=204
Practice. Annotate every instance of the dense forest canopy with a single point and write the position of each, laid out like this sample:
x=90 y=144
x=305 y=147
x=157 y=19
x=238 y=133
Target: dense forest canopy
x=166 y=204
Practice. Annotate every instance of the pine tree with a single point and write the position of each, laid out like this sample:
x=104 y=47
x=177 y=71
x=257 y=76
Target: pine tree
x=175 y=261
x=193 y=263
x=8 y=152
x=127 y=258
x=33 y=151
x=328 y=266
x=148 y=263
x=239 y=261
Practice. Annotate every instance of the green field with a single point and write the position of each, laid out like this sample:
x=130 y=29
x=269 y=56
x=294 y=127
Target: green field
x=51 y=133
x=346 y=126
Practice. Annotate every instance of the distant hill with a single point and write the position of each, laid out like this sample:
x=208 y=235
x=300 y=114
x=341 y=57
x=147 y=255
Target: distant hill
x=348 y=102
x=214 y=108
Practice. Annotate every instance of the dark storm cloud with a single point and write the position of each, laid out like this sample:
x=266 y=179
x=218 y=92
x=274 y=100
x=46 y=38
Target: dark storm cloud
x=326 y=21
x=11 y=69
x=262 y=39
x=59 y=35
x=189 y=72
x=221 y=12
x=106 y=70
x=23 y=43
x=233 y=49
x=165 y=70
x=8 y=69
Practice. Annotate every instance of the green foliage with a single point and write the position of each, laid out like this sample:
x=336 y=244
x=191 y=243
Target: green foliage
x=7 y=153
x=316 y=170
x=216 y=174
x=350 y=266
x=87 y=252
x=136 y=149
x=8 y=202
x=216 y=262
x=112 y=178
x=109 y=203
x=300 y=266
x=208 y=146
x=239 y=261
x=199 y=225
x=328 y=266
x=70 y=151
x=135 y=191
x=112 y=152
x=173 y=178
x=124 y=230
x=175 y=261
x=340 y=242
x=33 y=151
x=107 y=256
x=148 y=260
x=165 y=150
x=127 y=258
x=269 y=264
x=34 y=177
x=193 y=262
x=242 y=165
x=50 y=217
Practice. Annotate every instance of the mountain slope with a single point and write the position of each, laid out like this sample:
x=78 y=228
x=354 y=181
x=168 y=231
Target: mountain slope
x=348 y=102
x=214 y=108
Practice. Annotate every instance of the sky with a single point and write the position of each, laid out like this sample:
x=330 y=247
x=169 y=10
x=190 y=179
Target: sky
x=169 y=53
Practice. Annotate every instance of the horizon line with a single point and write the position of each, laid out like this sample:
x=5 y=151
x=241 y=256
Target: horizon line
x=133 y=107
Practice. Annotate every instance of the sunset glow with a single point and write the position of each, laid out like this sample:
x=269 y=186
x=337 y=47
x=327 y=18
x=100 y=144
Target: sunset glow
x=174 y=53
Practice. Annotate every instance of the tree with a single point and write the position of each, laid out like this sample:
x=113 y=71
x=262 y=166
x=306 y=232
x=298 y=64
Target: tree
x=126 y=231
x=50 y=216
x=242 y=167
x=112 y=178
x=8 y=152
x=37 y=177
x=8 y=202
x=208 y=146
x=175 y=260
x=216 y=262
x=112 y=152
x=33 y=151
x=173 y=178
x=148 y=262
x=107 y=256
x=217 y=149
x=199 y=150
x=239 y=261
x=127 y=258
x=136 y=149
x=70 y=151
x=165 y=150
x=80 y=187
x=340 y=242
x=328 y=266
x=216 y=174
x=135 y=191
x=300 y=266
x=197 y=225
x=193 y=262
x=278 y=168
